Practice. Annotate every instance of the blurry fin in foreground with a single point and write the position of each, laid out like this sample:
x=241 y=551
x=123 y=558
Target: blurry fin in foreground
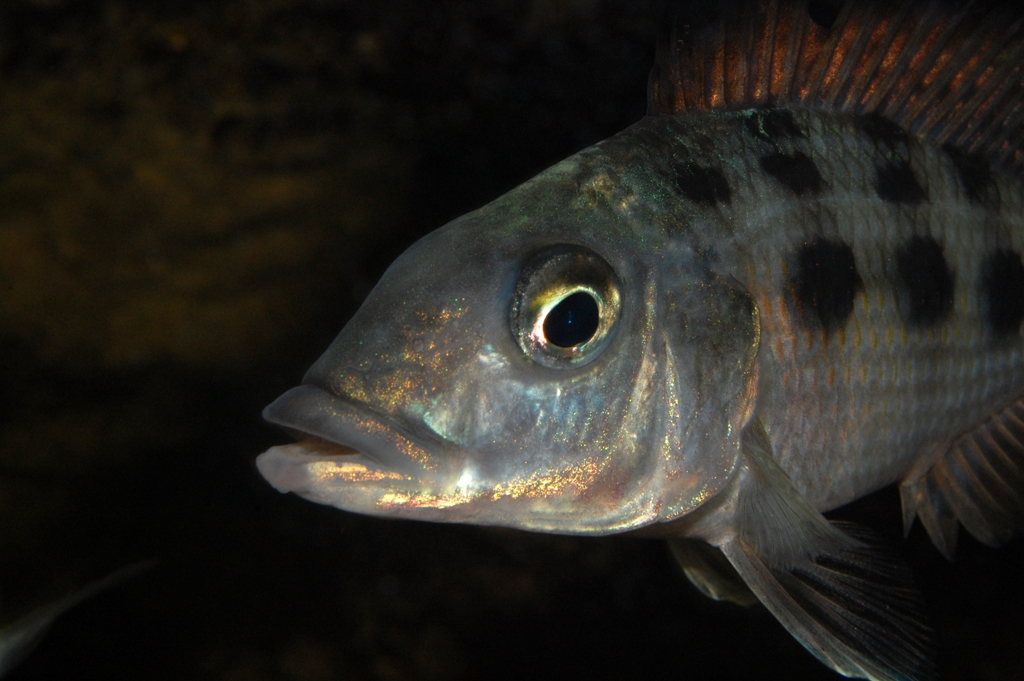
x=710 y=571
x=19 y=638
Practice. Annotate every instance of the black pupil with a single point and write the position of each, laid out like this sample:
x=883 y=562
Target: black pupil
x=573 y=321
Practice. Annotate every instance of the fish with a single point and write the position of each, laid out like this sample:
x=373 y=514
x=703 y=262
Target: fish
x=796 y=281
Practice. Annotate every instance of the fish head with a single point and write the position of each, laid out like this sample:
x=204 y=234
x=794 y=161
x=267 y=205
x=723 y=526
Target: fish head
x=511 y=369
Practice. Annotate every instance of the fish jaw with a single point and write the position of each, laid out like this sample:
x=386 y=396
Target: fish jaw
x=326 y=473
x=320 y=415
x=347 y=459
x=329 y=474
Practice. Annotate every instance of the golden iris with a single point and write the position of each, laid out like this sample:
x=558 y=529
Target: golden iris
x=565 y=307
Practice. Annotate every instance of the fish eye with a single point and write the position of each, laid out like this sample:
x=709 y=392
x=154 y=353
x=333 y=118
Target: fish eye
x=565 y=307
x=573 y=321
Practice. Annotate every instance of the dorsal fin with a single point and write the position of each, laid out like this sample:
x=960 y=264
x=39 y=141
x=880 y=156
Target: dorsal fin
x=952 y=75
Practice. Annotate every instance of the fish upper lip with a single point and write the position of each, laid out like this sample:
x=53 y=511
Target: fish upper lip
x=312 y=411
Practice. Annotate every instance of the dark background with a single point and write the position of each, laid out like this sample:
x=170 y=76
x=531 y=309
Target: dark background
x=194 y=197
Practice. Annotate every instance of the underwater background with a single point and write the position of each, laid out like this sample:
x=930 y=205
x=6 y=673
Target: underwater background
x=194 y=198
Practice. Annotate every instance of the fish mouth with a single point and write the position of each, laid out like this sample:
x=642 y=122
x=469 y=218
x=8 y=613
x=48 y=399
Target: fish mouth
x=345 y=455
x=311 y=412
x=352 y=459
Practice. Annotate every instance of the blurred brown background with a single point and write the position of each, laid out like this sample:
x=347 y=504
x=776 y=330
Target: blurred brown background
x=194 y=197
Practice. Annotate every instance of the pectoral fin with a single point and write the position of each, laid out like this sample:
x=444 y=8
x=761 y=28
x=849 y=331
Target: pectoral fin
x=710 y=571
x=849 y=600
x=978 y=481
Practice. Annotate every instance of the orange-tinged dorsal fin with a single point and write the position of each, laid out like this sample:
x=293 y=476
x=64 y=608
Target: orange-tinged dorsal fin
x=954 y=75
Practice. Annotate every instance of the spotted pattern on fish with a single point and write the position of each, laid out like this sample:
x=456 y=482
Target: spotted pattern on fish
x=852 y=344
x=925 y=282
x=883 y=133
x=974 y=174
x=796 y=171
x=702 y=184
x=1002 y=291
x=896 y=183
x=826 y=283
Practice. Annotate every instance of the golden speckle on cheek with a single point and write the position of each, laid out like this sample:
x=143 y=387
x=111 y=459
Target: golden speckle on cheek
x=353 y=387
x=351 y=471
x=401 y=443
x=426 y=351
x=396 y=500
x=700 y=497
x=416 y=453
x=574 y=478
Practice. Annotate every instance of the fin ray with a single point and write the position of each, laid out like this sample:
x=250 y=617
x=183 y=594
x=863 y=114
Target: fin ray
x=872 y=67
x=965 y=496
x=977 y=482
x=823 y=74
x=797 y=29
x=992 y=88
x=848 y=73
x=856 y=609
x=985 y=457
x=937 y=516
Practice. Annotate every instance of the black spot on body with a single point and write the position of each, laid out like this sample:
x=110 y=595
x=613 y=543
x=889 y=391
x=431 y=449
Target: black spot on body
x=1002 y=290
x=826 y=283
x=925 y=281
x=896 y=183
x=773 y=124
x=824 y=12
x=702 y=184
x=882 y=131
x=974 y=173
x=797 y=171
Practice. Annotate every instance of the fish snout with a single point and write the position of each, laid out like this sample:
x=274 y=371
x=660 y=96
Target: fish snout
x=346 y=456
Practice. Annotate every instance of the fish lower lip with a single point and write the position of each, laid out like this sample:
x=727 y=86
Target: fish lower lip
x=325 y=472
x=345 y=429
